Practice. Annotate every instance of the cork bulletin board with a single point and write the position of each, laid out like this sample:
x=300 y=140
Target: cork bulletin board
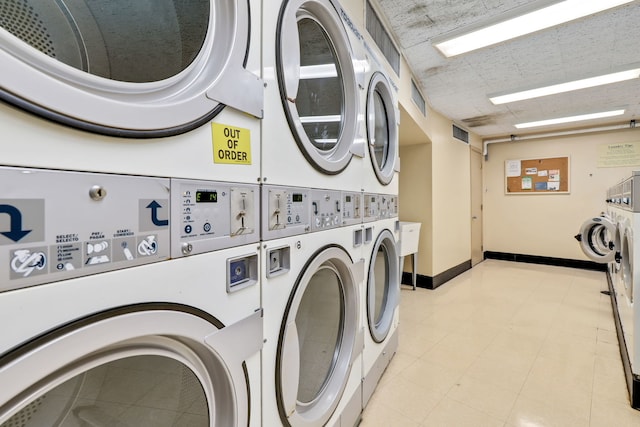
x=537 y=176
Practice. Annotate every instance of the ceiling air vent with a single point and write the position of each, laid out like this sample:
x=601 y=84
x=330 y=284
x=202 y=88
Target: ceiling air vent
x=460 y=134
x=382 y=39
x=417 y=98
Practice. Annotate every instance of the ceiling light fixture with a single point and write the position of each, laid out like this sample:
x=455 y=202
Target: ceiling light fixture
x=604 y=79
x=525 y=23
x=570 y=119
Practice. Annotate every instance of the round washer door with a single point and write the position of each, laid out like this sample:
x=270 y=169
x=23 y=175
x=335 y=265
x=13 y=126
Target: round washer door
x=128 y=68
x=155 y=367
x=316 y=347
x=383 y=286
x=318 y=82
x=596 y=239
x=382 y=128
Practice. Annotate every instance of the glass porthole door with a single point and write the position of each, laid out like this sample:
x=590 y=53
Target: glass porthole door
x=383 y=286
x=382 y=128
x=318 y=83
x=128 y=68
x=596 y=239
x=316 y=347
x=157 y=367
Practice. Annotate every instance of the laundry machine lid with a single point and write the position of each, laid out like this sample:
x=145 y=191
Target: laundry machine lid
x=382 y=128
x=123 y=68
x=318 y=83
x=383 y=286
x=318 y=339
x=596 y=239
x=142 y=365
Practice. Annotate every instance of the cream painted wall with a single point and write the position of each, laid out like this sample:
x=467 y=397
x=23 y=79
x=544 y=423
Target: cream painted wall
x=451 y=204
x=415 y=200
x=544 y=225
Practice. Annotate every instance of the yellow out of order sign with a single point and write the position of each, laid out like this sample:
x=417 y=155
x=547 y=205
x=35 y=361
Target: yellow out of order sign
x=231 y=145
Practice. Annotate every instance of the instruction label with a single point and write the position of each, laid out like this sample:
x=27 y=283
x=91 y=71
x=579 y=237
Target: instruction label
x=619 y=155
x=231 y=145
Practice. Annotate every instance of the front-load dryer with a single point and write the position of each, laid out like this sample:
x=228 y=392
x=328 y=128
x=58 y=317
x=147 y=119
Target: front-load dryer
x=382 y=118
x=622 y=254
x=380 y=300
x=101 y=327
x=311 y=280
x=312 y=130
x=164 y=88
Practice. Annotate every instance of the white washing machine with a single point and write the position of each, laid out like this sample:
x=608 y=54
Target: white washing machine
x=311 y=282
x=101 y=328
x=628 y=285
x=381 y=296
x=162 y=88
x=381 y=123
x=621 y=252
x=111 y=110
x=312 y=130
x=613 y=214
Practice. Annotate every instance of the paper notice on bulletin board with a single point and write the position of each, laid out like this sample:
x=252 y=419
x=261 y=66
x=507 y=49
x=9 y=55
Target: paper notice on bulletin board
x=619 y=155
x=512 y=168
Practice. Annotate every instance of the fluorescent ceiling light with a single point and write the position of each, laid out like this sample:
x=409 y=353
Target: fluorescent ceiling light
x=526 y=23
x=321 y=71
x=321 y=119
x=567 y=86
x=570 y=119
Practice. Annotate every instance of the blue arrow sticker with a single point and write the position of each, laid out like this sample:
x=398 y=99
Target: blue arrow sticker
x=154 y=206
x=21 y=221
x=153 y=214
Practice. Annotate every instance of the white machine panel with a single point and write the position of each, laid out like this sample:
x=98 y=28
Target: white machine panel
x=286 y=211
x=291 y=211
x=326 y=210
x=371 y=207
x=388 y=206
x=352 y=207
x=56 y=225
x=210 y=215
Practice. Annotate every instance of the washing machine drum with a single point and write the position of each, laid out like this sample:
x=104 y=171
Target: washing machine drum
x=596 y=240
x=88 y=59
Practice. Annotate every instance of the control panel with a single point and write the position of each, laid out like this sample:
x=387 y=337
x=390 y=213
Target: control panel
x=290 y=211
x=209 y=215
x=626 y=194
x=286 y=211
x=326 y=209
x=388 y=206
x=371 y=207
x=57 y=225
x=352 y=208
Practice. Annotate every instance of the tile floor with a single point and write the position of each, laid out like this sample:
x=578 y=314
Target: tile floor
x=509 y=345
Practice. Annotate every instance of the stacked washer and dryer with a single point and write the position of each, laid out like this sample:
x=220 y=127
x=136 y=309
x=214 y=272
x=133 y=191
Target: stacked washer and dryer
x=184 y=242
x=129 y=211
x=330 y=278
x=610 y=239
x=312 y=150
